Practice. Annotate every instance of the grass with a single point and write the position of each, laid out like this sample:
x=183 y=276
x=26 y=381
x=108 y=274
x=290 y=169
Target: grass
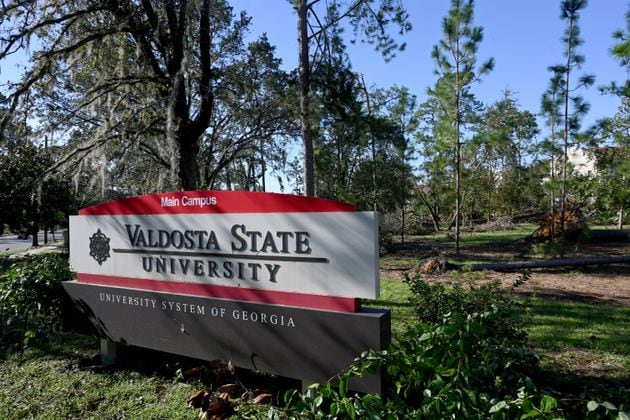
x=56 y=380
x=398 y=261
x=584 y=347
x=395 y=297
x=476 y=247
x=597 y=332
x=482 y=238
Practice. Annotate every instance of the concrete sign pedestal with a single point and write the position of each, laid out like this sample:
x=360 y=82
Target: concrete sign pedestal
x=306 y=344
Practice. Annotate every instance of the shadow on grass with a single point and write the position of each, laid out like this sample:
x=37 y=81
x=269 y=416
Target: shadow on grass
x=560 y=324
x=567 y=296
x=574 y=390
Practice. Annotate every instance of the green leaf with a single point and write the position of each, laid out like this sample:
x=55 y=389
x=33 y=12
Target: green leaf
x=498 y=407
x=609 y=406
x=592 y=405
x=349 y=408
x=548 y=403
x=623 y=415
x=288 y=396
x=343 y=385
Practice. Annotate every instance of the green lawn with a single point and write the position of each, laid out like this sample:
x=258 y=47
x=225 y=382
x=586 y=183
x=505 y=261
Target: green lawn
x=482 y=238
x=54 y=381
x=394 y=296
x=593 y=333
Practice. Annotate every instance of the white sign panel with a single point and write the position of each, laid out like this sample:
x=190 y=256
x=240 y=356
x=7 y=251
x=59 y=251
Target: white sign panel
x=332 y=253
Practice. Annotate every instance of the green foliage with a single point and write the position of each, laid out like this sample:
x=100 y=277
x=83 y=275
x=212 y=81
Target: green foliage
x=28 y=200
x=465 y=359
x=452 y=108
x=31 y=297
x=448 y=370
x=433 y=302
x=503 y=184
x=606 y=410
x=608 y=193
x=546 y=249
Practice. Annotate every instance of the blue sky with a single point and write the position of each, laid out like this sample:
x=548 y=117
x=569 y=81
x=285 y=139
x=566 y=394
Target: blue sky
x=522 y=36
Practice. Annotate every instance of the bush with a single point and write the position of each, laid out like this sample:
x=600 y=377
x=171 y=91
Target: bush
x=31 y=297
x=432 y=302
x=448 y=370
x=464 y=358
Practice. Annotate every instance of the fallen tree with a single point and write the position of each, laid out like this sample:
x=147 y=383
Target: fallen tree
x=558 y=262
x=611 y=235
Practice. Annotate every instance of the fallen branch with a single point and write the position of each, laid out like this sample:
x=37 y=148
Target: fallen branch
x=560 y=262
x=612 y=235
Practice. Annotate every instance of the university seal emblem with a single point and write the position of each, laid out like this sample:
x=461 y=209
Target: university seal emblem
x=99 y=247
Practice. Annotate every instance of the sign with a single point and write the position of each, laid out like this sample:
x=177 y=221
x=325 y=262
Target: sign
x=271 y=282
x=308 y=344
x=271 y=248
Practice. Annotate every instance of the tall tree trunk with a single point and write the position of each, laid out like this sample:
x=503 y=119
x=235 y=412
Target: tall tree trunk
x=263 y=165
x=458 y=156
x=372 y=142
x=305 y=82
x=404 y=201
x=35 y=230
x=552 y=236
x=181 y=135
x=563 y=191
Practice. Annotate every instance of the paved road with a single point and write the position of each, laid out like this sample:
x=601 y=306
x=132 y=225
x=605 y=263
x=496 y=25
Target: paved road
x=11 y=243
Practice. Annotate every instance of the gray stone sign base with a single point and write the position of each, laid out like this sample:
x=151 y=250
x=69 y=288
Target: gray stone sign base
x=108 y=352
x=307 y=344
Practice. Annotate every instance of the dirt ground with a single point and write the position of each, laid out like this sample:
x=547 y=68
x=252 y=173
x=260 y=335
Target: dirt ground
x=608 y=284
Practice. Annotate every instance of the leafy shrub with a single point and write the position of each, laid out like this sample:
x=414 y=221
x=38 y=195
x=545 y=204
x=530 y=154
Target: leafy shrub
x=432 y=302
x=449 y=370
x=31 y=295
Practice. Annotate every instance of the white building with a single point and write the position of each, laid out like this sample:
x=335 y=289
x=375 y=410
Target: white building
x=582 y=162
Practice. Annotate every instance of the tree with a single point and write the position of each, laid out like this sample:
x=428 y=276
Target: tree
x=550 y=109
x=252 y=121
x=126 y=78
x=455 y=58
x=27 y=201
x=403 y=112
x=613 y=162
x=503 y=140
x=369 y=18
x=341 y=137
x=390 y=120
x=574 y=106
x=357 y=135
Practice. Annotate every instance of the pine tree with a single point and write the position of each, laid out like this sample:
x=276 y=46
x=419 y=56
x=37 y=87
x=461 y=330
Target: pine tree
x=455 y=59
x=574 y=105
x=551 y=104
x=369 y=20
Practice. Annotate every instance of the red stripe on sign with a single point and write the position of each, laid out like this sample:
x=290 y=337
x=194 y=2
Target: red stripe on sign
x=303 y=300
x=203 y=202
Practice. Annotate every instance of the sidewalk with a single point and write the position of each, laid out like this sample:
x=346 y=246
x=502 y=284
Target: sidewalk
x=36 y=250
